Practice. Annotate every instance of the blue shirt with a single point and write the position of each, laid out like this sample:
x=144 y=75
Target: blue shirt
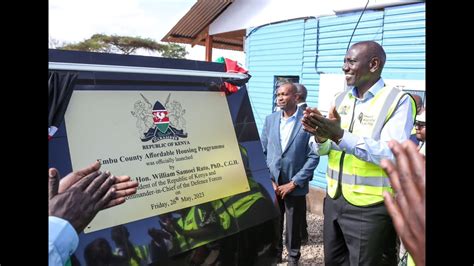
x=63 y=241
x=286 y=127
x=398 y=127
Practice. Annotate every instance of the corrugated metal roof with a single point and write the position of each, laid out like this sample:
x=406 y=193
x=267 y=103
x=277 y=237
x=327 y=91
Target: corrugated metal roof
x=195 y=24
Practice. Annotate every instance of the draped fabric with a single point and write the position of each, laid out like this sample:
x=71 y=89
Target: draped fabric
x=232 y=84
x=60 y=88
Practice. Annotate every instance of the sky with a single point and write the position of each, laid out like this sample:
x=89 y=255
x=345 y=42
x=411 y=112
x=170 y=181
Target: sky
x=77 y=20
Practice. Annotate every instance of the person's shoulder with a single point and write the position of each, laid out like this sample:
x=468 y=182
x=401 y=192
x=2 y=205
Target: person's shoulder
x=388 y=86
x=337 y=94
x=405 y=98
x=403 y=95
x=274 y=115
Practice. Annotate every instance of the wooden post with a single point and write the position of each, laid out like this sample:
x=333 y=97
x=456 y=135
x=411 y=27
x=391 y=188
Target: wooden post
x=209 y=48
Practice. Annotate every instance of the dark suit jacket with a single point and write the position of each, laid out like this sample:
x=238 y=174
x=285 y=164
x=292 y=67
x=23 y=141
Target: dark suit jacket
x=297 y=162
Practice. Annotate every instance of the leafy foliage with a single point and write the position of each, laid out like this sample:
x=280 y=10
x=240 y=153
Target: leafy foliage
x=126 y=45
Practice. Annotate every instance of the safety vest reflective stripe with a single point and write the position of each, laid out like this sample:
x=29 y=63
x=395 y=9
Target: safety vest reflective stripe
x=183 y=242
x=189 y=223
x=192 y=219
x=198 y=218
x=374 y=181
x=238 y=204
x=383 y=116
x=142 y=253
x=234 y=202
x=383 y=112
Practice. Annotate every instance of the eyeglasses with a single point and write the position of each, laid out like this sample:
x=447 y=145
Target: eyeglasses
x=420 y=124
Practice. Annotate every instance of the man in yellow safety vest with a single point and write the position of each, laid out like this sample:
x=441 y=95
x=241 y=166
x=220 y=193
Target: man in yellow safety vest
x=357 y=228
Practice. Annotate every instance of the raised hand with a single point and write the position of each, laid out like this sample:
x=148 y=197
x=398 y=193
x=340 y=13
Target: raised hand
x=407 y=207
x=123 y=185
x=321 y=127
x=79 y=203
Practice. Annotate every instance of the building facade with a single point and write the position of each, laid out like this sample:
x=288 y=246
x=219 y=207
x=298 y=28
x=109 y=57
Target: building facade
x=307 y=48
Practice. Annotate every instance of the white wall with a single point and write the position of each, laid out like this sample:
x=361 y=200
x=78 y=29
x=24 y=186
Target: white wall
x=244 y=14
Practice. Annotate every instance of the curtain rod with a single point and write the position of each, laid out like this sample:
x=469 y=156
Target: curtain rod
x=142 y=70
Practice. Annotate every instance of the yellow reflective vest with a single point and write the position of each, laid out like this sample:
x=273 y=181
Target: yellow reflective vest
x=228 y=209
x=235 y=206
x=362 y=183
x=142 y=253
x=410 y=261
x=232 y=207
x=190 y=222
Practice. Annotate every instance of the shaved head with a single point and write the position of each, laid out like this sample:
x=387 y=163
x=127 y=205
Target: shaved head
x=363 y=65
x=372 y=49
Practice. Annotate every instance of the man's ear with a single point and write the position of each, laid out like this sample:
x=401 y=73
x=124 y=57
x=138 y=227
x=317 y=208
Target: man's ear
x=374 y=64
x=298 y=96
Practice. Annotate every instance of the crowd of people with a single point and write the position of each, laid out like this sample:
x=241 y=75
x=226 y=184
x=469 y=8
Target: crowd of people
x=374 y=137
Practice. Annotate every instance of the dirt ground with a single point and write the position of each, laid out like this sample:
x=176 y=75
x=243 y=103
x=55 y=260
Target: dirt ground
x=312 y=252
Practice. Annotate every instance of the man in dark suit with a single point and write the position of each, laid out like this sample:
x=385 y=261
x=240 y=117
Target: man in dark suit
x=291 y=163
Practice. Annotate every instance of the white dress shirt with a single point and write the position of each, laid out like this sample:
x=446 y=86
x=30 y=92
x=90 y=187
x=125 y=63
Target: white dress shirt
x=286 y=126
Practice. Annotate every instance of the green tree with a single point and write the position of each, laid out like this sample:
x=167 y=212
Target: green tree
x=125 y=45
